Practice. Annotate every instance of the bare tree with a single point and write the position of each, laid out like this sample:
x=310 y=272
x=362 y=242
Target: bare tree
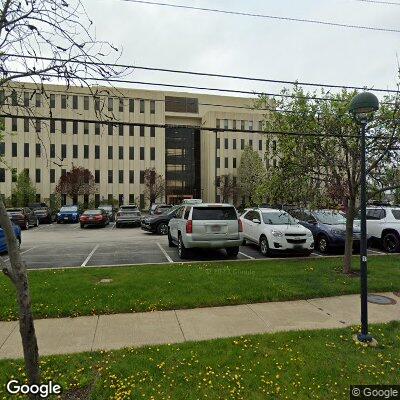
x=228 y=186
x=154 y=185
x=40 y=41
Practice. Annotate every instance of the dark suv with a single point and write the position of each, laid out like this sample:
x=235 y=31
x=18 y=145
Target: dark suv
x=24 y=217
x=159 y=223
x=42 y=212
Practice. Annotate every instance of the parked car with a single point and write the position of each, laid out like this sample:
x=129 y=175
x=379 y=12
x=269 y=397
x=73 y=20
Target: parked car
x=129 y=207
x=383 y=226
x=159 y=223
x=128 y=215
x=68 y=214
x=110 y=210
x=24 y=217
x=43 y=212
x=3 y=243
x=275 y=231
x=205 y=226
x=328 y=228
x=94 y=218
x=156 y=209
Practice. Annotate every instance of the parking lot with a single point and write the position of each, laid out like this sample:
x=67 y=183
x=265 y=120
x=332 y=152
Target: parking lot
x=61 y=246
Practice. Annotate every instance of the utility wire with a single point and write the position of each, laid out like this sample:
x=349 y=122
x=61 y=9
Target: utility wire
x=390 y=3
x=197 y=73
x=274 y=17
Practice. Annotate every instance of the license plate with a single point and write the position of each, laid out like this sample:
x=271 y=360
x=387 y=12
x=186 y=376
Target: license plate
x=91 y=218
x=297 y=246
x=215 y=228
x=66 y=218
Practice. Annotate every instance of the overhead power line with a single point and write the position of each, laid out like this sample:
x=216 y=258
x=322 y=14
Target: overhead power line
x=207 y=74
x=266 y=16
x=389 y=3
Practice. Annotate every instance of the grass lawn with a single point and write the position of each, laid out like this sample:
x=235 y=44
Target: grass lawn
x=74 y=292
x=293 y=365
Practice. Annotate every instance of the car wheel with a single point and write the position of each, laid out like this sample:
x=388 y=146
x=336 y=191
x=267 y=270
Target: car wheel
x=244 y=242
x=37 y=222
x=232 y=251
x=117 y=225
x=182 y=251
x=323 y=244
x=264 y=249
x=162 y=229
x=170 y=241
x=82 y=226
x=391 y=242
x=26 y=226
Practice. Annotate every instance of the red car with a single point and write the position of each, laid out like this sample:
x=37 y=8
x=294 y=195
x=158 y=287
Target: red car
x=94 y=218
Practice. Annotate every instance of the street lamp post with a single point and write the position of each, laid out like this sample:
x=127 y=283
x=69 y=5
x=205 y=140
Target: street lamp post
x=362 y=107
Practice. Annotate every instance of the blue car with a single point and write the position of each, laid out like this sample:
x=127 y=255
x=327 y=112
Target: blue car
x=68 y=214
x=3 y=244
x=328 y=228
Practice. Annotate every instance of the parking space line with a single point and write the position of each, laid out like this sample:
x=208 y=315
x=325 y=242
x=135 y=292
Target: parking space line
x=113 y=227
x=165 y=253
x=23 y=252
x=377 y=252
x=316 y=254
x=90 y=255
x=247 y=256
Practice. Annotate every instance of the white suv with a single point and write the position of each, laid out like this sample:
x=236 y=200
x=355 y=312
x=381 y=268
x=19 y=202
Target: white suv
x=275 y=231
x=383 y=225
x=205 y=226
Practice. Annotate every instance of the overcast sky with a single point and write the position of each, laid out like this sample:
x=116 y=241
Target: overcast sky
x=238 y=45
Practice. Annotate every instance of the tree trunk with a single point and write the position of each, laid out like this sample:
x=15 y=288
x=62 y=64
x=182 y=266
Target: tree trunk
x=348 y=249
x=16 y=271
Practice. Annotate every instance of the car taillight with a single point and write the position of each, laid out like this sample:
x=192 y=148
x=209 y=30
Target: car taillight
x=189 y=226
x=240 y=224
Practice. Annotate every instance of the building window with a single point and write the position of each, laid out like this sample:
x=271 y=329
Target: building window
x=86 y=102
x=38 y=125
x=234 y=124
x=38 y=150
x=131 y=177
x=260 y=126
x=226 y=124
x=97 y=176
x=218 y=162
x=110 y=176
x=218 y=123
x=86 y=151
x=226 y=162
x=142 y=131
x=242 y=125
x=14 y=124
x=14 y=98
x=52 y=126
x=131 y=199
x=97 y=128
x=131 y=130
x=63 y=101
x=63 y=126
x=63 y=173
x=110 y=128
x=226 y=144
x=63 y=151
x=260 y=145
x=52 y=176
x=152 y=153
x=26 y=149
x=52 y=150
x=141 y=201
x=75 y=102
x=26 y=124
x=251 y=143
x=141 y=177
x=26 y=99
x=97 y=152
x=121 y=176
x=274 y=145
x=131 y=153
x=110 y=103
x=250 y=125
x=121 y=105
x=86 y=128
x=37 y=176
x=121 y=152
x=234 y=144
x=142 y=106
x=97 y=104
x=2 y=175
x=218 y=143
x=74 y=151
x=38 y=100
x=152 y=131
x=110 y=152
x=131 y=105
x=152 y=107
x=242 y=144
x=14 y=148
x=142 y=153
x=96 y=199
x=121 y=129
x=52 y=101
x=218 y=181
x=234 y=162
x=2 y=148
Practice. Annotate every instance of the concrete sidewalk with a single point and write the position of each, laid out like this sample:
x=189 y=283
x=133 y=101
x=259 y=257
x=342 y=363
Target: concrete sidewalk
x=107 y=332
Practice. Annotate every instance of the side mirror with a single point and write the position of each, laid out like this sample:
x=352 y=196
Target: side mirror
x=256 y=221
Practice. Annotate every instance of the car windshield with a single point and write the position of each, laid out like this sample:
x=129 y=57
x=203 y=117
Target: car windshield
x=105 y=208
x=129 y=212
x=14 y=210
x=92 y=212
x=278 y=218
x=69 y=209
x=214 y=213
x=329 y=217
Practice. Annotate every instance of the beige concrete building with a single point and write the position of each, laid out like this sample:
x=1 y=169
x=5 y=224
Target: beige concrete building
x=48 y=131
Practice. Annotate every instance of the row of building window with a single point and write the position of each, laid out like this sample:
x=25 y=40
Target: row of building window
x=76 y=127
x=242 y=144
x=75 y=151
x=28 y=99
x=237 y=124
x=110 y=175
x=234 y=163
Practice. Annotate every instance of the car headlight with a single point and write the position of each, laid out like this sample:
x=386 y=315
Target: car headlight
x=74 y=214
x=309 y=234
x=277 y=233
x=339 y=232
x=58 y=215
